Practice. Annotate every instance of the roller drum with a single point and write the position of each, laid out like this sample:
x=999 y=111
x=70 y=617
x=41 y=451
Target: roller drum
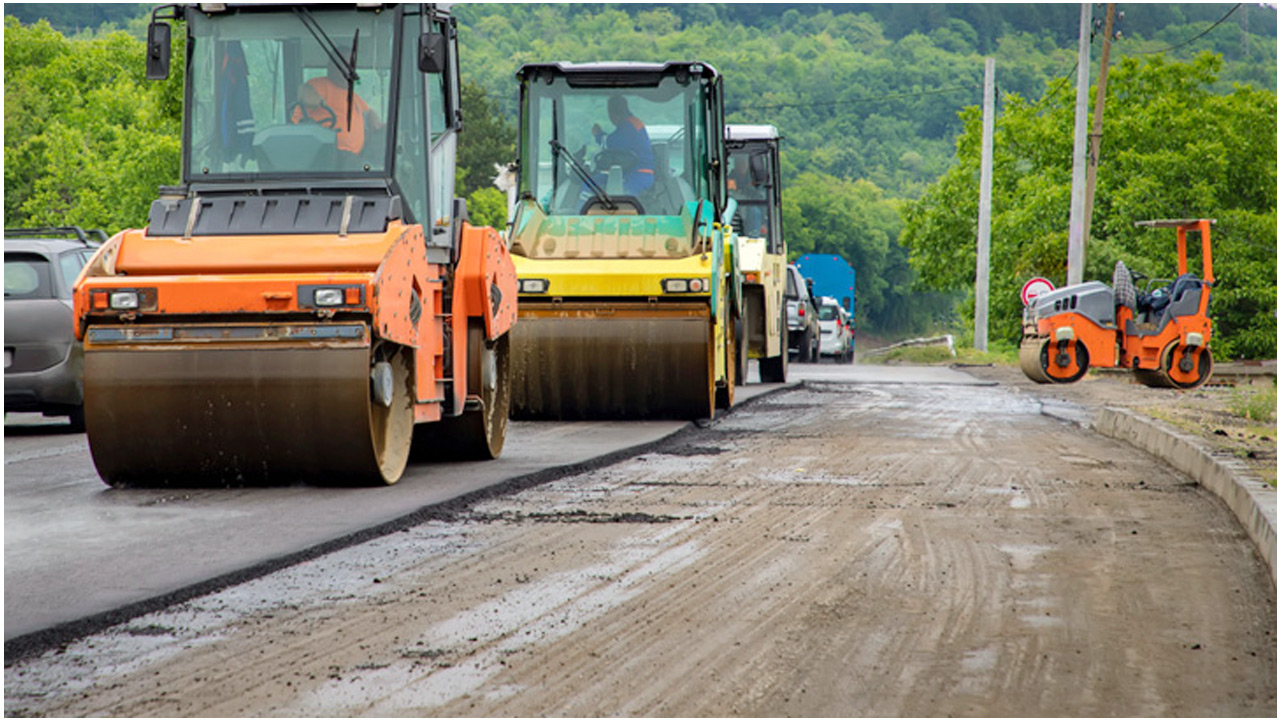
x=1030 y=355
x=587 y=361
x=256 y=413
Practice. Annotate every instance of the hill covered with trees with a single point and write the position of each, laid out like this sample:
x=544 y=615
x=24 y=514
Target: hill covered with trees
x=877 y=104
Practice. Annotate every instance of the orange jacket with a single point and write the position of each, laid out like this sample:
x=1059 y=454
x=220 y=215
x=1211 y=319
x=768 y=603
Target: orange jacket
x=335 y=98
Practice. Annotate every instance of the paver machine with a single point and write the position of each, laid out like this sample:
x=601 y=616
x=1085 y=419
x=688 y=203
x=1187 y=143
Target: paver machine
x=1161 y=333
x=621 y=237
x=755 y=184
x=310 y=302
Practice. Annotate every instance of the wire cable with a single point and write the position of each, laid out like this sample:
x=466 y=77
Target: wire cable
x=1197 y=37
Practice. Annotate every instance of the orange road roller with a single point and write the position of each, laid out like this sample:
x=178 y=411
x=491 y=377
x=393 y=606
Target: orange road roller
x=310 y=304
x=1161 y=333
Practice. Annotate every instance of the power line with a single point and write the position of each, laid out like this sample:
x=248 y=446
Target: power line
x=832 y=103
x=1197 y=37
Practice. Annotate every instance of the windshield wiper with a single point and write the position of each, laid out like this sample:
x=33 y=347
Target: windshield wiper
x=558 y=148
x=347 y=66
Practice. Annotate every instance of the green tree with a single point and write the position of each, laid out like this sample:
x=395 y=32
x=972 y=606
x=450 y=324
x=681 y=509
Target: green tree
x=87 y=138
x=487 y=139
x=1171 y=149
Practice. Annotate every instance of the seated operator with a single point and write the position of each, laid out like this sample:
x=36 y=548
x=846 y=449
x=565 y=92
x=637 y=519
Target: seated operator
x=324 y=99
x=630 y=136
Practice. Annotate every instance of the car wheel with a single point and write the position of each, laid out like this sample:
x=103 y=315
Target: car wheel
x=77 y=419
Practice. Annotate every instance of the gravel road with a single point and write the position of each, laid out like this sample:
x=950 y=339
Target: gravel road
x=842 y=549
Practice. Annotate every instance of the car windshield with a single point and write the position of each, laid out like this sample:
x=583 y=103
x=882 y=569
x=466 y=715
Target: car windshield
x=26 y=277
x=269 y=92
x=640 y=148
x=828 y=312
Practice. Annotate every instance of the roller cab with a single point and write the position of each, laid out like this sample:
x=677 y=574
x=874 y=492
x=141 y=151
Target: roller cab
x=310 y=304
x=627 y=264
x=1161 y=332
x=756 y=188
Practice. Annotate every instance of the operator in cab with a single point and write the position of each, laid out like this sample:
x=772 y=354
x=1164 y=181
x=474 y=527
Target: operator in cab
x=629 y=137
x=323 y=100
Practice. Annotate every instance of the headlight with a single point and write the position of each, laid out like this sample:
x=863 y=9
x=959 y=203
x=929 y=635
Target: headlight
x=686 y=285
x=534 y=286
x=124 y=300
x=329 y=297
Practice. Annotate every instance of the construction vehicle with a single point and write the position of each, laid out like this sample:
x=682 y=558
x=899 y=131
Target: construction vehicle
x=629 y=288
x=310 y=304
x=1162 y=333
x=755 y=184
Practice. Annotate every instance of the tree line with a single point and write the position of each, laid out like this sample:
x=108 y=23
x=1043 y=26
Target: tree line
x=877 y=104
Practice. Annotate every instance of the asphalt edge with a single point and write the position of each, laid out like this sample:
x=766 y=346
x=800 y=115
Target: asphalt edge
x=1251 y=500
x=57 y=637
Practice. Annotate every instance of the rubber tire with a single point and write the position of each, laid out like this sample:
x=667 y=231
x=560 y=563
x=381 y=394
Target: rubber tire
x=76 y=416
x=740 y=337
x=1082 y=360
x=724 y=393
x=1166 y=366
x=774 y=369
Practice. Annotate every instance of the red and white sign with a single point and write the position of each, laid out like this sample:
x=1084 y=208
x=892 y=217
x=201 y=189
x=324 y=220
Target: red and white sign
x=1034 y=288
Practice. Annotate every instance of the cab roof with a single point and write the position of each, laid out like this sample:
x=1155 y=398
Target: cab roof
x=751 y=132
x=617 y=73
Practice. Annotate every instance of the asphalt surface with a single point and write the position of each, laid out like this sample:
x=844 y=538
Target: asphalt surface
x=75 y=548
x=881 y=542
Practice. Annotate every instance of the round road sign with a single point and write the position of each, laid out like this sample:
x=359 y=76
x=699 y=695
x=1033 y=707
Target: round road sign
x=1035 y=287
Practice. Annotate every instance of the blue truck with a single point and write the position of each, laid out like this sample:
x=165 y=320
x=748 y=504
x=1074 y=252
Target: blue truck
x=832 y=276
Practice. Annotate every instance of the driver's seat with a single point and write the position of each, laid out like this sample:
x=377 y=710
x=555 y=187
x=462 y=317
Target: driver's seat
x=664 y=198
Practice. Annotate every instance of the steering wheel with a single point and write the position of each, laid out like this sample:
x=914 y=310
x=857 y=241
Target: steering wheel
x=609 y=157
x=305 y=117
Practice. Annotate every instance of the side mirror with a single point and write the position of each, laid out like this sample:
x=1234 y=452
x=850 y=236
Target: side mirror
x=433 y=48
x=158 y=48
x=759 y=173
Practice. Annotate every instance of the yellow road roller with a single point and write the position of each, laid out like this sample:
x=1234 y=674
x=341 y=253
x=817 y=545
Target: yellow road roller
x=310 y=303
x=755 y=185
x=629 y=289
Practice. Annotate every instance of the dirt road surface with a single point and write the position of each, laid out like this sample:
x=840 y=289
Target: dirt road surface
x=840 y=549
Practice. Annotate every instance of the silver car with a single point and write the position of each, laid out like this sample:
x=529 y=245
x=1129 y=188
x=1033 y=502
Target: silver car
x=837 y=330
x=43 y=362
x=802 y=318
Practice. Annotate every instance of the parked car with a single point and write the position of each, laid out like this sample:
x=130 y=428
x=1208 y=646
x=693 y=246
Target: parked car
x=837 y=330
x=802 y=318
x=43 y=362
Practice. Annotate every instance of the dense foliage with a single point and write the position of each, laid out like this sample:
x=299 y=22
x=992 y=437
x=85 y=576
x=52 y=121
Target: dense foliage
x=871 y=99
x=87 y=138
x=1171 y=149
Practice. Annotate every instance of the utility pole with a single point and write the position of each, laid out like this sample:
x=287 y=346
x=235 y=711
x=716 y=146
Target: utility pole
x=1075 y=236
x=1095 y=138
x=984 y=209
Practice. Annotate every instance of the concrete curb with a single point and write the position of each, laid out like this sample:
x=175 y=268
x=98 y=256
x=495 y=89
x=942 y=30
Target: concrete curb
x=1252 y=501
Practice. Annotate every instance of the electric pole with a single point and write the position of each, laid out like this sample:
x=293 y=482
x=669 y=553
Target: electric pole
x=1076 y=231
x=984 y=209
x=1095 y=138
